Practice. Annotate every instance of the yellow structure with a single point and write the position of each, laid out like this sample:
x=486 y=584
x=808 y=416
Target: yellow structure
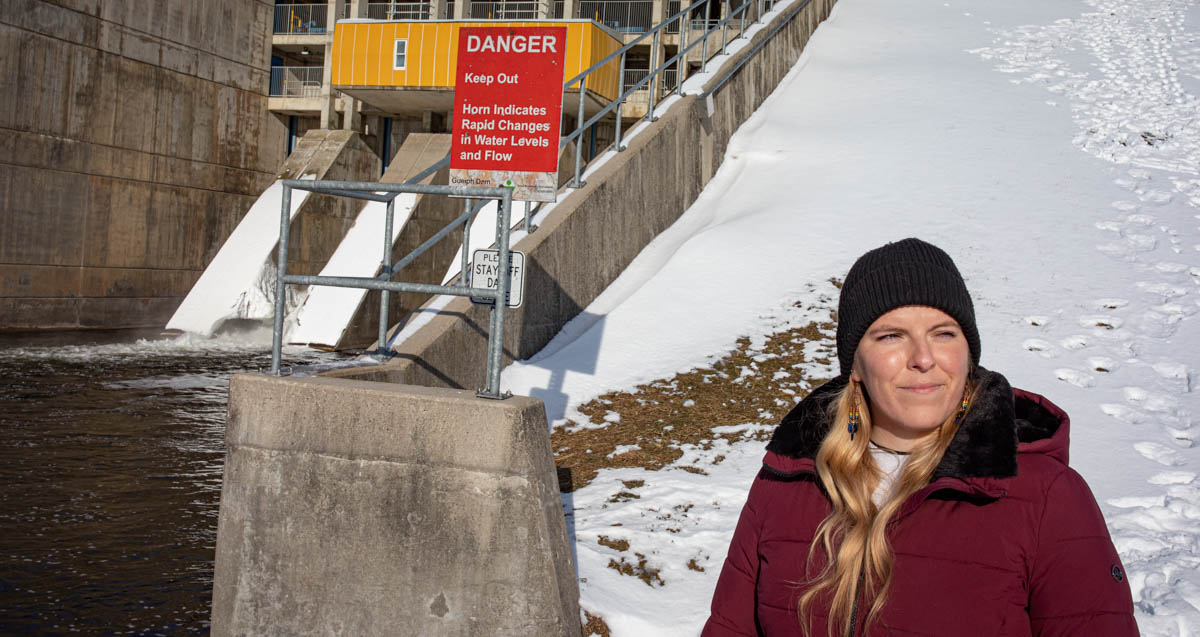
x=409 y=66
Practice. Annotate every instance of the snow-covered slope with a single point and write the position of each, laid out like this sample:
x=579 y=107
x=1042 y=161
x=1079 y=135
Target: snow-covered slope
x=1051 y=148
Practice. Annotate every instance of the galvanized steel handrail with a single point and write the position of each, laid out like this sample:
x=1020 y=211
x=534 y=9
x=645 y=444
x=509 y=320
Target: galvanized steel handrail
x=676 y=60
x=750 y=54
x=383 y=192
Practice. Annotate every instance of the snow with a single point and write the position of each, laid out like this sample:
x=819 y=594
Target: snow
x=326 y=311
x=240 y=281
x=1051 y=148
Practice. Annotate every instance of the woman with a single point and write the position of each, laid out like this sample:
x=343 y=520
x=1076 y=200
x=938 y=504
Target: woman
x=918 y=493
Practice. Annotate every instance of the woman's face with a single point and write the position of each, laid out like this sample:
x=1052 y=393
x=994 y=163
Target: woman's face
x=913 y=363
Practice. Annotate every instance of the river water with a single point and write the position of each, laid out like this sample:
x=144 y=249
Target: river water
x=111 y=453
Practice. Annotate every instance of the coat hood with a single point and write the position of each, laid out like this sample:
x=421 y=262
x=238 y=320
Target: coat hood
x=1001 y=422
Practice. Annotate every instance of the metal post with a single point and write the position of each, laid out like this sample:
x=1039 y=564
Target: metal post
x=529 y=227
x=496 y=332
x=621 y=88
x=285 y=222
x=742 y=27
x=385 y=265
x=681 y=64
x=704 y=44
x=724 y=25
x=655 y=56
x=463 y=275
x=579 y=183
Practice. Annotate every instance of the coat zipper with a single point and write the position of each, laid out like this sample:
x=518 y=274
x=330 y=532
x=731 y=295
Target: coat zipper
x=857 y=594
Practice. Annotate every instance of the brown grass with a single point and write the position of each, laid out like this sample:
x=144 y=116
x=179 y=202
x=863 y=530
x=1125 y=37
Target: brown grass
x=594 y=625
x=617 y=545
x=654 y=417
x=647 y=574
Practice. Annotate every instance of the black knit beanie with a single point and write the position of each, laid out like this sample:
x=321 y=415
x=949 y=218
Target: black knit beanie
x=908 y=272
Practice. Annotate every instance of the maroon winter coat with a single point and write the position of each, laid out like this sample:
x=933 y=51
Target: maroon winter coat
x=1006 y=540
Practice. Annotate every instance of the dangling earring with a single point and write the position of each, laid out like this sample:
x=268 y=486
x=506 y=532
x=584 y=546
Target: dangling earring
x=852 y=423
x=962 y=407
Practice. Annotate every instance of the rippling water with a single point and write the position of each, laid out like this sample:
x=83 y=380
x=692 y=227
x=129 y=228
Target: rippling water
x=110 y=476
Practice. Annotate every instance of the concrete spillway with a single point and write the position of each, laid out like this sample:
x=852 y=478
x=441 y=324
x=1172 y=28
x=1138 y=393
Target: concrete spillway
x=239 y=283
x=331 y=317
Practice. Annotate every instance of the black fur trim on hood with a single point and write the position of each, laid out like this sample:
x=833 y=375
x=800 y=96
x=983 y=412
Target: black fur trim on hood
x=985 y=444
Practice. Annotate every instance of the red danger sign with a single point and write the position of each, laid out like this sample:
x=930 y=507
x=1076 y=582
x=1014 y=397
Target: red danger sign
x=507 y=109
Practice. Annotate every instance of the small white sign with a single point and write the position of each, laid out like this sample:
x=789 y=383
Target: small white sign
x=485 y=273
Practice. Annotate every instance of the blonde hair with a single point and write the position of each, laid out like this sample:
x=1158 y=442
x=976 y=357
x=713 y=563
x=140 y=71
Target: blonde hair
x=853 y=537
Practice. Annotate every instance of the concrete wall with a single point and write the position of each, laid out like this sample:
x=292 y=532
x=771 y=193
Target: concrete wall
x=352 y=508
x=597 y=230
x=134 y=136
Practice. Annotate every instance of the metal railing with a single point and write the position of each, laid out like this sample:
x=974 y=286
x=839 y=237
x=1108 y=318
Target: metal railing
x=296 y=81
x=504 y=10
x=669 y=72
x=387 y=193
x=398 y=10
x=626 y=16
x=688 y=41
x=634 y=77
x=300 y=18
x=672 y=9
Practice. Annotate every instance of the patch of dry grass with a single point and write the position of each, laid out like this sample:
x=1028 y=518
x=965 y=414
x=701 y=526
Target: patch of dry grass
x=594 y=625
x=640 y=570
x=616 y=545
x=747 y=385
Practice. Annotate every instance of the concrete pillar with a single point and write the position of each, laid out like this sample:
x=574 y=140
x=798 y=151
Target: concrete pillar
x=329 y=114
x=569 y=10
x=362 y=508
x=437 y=9
x=545 y=9
x=351 y=117
x=461 y=9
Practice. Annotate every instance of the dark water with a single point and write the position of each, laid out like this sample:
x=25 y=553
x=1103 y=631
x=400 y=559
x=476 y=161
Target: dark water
x=110 y=476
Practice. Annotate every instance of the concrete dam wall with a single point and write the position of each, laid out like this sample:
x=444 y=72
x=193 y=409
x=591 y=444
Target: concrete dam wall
x=134 y=134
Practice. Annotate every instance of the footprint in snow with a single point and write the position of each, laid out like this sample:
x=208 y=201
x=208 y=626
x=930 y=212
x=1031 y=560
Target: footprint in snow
x=1075 y=377
x=1158 y=324
x=1103 y=364
x=1111 y=304
x=1159 y=453
x=1038 y=345
x=1126 y=206
x=1110 y=226
x=1151 y=400
x=1171 y=371
x=1101 y=322
x=1140 y=219
x=1172 y=477
x=1138 y=502
x=1036 y=320
x=1078 y=341
x=1165 y=290
x=1157 y=197
x=1123 y=413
